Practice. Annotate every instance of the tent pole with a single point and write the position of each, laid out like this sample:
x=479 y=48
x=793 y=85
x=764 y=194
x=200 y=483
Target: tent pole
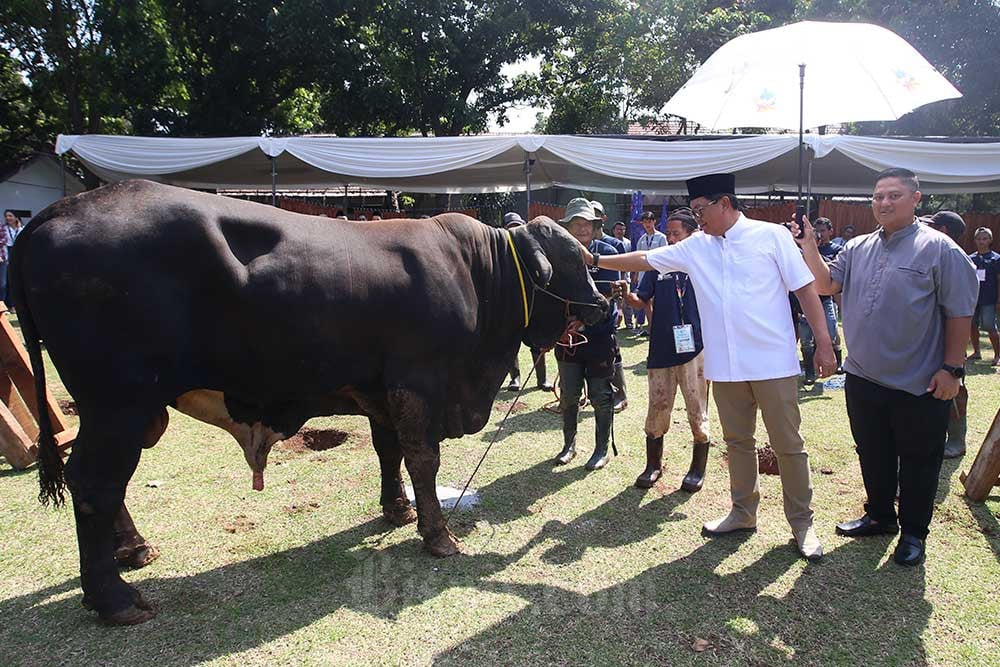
x=62 y=168
x=799 y=210
x=274 y=184
x=345 y=200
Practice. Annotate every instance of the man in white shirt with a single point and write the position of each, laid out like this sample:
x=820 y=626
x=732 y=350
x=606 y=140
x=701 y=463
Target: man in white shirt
x=742 y=271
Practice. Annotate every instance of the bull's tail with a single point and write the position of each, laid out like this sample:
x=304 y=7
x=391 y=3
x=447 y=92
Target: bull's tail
x=50 y=464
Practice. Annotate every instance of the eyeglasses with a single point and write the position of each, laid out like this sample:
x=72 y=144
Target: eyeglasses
x=892 y=197
x=697 y=212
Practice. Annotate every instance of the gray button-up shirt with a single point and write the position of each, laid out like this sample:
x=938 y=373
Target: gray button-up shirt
x=897 y=294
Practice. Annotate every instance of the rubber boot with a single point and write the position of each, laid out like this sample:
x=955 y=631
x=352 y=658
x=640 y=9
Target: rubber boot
x=654 y=463
x=599 y=458
x=541 y=373
x=567 y=454
x=619 y=398
x=808 y=360
x=955 y=445
x=840 y=360
x=695 y=477
x=603 y=416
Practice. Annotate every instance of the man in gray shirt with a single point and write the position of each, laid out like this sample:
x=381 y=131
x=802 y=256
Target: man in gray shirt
x=908 y=297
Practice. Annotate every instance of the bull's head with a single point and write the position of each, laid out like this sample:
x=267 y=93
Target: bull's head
x=553 y=262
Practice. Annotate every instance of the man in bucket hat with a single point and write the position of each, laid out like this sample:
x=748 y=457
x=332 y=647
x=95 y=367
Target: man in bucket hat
x=742 y=271
x=588 y=353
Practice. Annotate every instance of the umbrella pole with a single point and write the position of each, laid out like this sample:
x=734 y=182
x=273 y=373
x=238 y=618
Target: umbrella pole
x=809 y=188
x=799 y=209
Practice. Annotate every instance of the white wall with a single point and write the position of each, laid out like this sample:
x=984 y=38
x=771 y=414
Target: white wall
x=36 y=186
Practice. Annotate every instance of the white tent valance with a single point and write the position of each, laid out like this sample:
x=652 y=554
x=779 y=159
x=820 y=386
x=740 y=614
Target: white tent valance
x=841 y=164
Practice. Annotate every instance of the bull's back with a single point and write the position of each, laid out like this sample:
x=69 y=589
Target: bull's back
x=183 y=290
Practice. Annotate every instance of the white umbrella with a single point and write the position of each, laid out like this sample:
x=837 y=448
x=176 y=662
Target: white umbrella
x=847 y=72
x=853 y=72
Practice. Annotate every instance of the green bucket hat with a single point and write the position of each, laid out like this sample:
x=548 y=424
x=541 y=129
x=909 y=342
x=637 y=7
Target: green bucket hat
x=580 y=208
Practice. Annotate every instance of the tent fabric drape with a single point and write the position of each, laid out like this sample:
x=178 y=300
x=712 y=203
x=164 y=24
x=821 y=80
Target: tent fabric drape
x=939 y=162
x=154 y=156
x=842 y=164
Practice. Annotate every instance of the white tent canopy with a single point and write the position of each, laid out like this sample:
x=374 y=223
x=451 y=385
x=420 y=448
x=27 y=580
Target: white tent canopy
x=842 y=164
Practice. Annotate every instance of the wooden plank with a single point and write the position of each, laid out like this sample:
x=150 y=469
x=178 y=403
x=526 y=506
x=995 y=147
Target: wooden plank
x=11 y=397
x=985 y=469
x=15 y=444
x=15 y=360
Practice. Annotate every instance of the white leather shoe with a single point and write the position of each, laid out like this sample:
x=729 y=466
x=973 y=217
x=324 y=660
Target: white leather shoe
x=731 y=523
x=808 y=544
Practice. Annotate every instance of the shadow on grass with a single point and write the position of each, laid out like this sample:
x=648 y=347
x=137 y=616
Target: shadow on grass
x=989 y=525
x=837 y=611
x=842 y=611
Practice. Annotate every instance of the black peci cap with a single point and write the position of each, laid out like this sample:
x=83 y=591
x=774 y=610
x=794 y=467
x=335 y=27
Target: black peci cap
x=711 y=184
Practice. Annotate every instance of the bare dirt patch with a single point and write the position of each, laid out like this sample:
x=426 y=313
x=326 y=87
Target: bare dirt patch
x=503 y=406
x=238 y=524
x=767 y=460
x=299 y=508
x=309 y=439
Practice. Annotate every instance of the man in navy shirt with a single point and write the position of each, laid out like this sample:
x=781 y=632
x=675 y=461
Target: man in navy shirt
x=675 y=360
x=618 y=381
x=987 y=269
x=593 y=360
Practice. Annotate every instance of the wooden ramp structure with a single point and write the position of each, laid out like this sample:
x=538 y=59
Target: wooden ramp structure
x=985 y=471
x=19 y=408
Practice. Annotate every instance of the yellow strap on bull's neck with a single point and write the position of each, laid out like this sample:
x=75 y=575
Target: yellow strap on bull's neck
x=520 y=277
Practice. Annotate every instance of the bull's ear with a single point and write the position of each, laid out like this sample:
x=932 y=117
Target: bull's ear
x=533 y=254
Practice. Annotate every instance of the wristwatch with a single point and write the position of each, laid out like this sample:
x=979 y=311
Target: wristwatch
x=597 y=256
x=956 y=371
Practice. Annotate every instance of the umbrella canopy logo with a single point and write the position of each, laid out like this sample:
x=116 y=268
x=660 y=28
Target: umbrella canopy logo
x=766 y=101
x=906 y=80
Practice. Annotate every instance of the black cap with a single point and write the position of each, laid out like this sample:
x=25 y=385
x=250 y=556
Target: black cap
x=512 y=220
x=952 y=222
x=711 y=184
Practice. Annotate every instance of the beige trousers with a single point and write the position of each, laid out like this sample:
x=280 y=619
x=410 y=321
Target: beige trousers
x=737 y=403
x=663 y=384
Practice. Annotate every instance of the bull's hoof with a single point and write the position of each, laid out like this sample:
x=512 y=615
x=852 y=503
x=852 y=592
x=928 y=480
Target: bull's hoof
x=136 y=556
x=443 y=544
x=138 y=612
x=399 y=515
x=132 y=615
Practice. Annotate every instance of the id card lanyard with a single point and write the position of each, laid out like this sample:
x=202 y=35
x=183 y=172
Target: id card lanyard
x=683 y=333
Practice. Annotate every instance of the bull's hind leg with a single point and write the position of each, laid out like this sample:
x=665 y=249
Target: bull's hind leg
x=105 y=455
x=395 y=505
x=422 y=458
x=132 y=549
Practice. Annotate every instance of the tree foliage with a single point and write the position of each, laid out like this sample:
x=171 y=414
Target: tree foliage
x=435 y=67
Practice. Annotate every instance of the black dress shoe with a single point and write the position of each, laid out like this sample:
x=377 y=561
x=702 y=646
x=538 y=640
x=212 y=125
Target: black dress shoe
x=864 y=527
x=909 y=551
x=546 y=386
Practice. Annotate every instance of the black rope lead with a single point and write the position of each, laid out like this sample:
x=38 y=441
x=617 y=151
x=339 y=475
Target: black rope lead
x=494 y=438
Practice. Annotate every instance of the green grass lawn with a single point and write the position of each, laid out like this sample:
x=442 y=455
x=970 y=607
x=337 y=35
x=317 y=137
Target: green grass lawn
x=560 y=566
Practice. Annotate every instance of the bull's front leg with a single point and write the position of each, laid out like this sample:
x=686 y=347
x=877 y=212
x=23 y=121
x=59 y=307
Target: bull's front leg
x=422 y=459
